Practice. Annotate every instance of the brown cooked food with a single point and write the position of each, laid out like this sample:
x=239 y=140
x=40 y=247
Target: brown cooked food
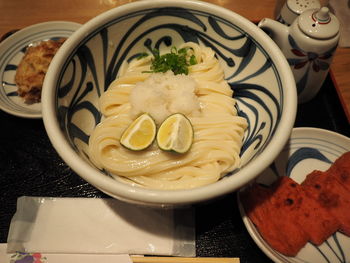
x=33 y=67
x=341 y=170
x=283 y=235
x=288 y=214
x=330 y=194
x=298 y=207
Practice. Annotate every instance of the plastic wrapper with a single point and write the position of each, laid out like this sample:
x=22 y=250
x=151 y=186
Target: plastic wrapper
x=103 y=226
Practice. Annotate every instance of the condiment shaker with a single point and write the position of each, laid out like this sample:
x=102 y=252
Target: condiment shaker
x=293 y=8
x=308 y=44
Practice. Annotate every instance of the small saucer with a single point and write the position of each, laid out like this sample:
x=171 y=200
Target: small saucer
x=11 y=52
x=308 y=149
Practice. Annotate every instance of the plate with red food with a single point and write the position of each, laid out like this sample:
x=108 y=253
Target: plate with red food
x=298 y=209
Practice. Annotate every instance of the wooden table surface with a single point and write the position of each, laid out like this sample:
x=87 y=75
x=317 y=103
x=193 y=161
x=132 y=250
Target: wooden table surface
x=21 y=13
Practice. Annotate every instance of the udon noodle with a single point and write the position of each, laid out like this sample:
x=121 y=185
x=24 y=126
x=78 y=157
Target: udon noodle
x=218 y=130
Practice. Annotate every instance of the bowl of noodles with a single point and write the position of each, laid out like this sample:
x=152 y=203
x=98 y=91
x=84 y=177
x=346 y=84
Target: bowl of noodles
x=212 y=69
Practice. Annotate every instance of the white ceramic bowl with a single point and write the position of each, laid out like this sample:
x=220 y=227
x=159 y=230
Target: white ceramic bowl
x=88 y=61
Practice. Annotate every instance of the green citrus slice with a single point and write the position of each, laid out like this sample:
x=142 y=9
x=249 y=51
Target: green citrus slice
x=175 y=134
x=140 y=134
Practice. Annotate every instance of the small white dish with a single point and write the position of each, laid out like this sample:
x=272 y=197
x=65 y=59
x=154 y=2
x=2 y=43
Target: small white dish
x=11 y=52
x=308 y=149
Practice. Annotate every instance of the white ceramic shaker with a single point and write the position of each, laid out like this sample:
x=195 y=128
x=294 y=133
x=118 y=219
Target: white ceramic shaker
x=293 y=8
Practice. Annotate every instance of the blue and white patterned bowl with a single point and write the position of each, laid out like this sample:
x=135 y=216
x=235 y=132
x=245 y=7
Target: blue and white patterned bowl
x=90 y=59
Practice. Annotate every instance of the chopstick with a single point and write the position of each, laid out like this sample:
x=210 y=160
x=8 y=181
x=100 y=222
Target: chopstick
x=138 y=259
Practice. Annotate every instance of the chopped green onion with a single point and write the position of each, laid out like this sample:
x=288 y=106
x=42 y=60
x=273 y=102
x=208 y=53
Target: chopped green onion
x=176 y=61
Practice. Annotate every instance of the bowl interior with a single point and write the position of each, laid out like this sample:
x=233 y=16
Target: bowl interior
x=90 y=60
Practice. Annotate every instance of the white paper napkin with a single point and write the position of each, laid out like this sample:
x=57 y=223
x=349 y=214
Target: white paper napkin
x=101 y=226
x=341 y=9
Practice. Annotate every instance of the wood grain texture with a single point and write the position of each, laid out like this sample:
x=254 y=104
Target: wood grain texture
x=341 y=74
x=136 y=259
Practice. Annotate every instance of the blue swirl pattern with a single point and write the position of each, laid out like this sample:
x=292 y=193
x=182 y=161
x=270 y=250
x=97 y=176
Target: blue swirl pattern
x=306 y=151
x=95 y=64
x=12 y=50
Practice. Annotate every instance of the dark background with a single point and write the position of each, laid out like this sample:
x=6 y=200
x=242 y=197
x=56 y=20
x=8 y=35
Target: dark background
x=30 y=166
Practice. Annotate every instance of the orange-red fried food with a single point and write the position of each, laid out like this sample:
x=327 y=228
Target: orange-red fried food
x=302 y=209
x=341 y=170
x=288 y=214
x=32 y=69
x=330 y=194
x=284 y=236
